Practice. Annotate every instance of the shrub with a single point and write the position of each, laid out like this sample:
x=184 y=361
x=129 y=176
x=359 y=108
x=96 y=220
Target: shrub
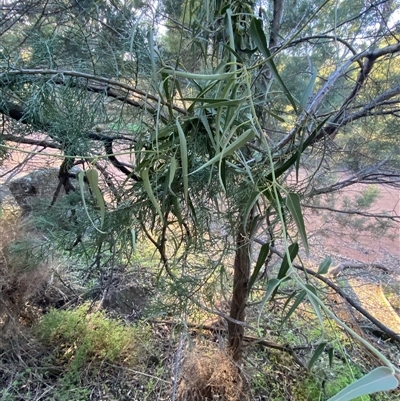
x=82 y=337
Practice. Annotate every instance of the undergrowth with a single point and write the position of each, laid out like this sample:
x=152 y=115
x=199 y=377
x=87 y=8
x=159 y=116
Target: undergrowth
x=79 y=337
x=81 y=353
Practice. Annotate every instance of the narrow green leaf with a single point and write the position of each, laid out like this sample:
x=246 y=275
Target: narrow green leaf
x=380 y=379
x=81 y=176
x=283 y=167
x=314 y=303
x=320 y=349
x=236 y=144
x=293 y=251
x=271 y=286
x=250 y=203
x=293 y=204
x=207 y=77
x=309 y=89
x=262 y=256
x=272 y=114
x=184 y=159
x=324 y=266
x=257 y=33
x=222 y=174
x=289 y=299
x=172 y=170
x=211 y=101
x=144 y=174
x=93 y=178
x=228 y=103
x=296 y=303
x=298 y=157
x=206 y=126
x=177 y=210
x=150 y=39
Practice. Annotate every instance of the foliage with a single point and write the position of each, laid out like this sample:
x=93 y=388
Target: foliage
x=191 y=139
x=83 y=338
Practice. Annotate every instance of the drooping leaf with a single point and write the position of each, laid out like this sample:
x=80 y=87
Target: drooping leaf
x=314 y=302
x=81 y=183
x=222 y=174
x=293 y=251
x=262 y=256
x=299 y=153
x=144 y=174
x=281 y=168
x=293 y=204
x=250 y=203
x=236 y=144
x=320 y=349
x=309 y=89
x=171 y=175
x=133 y=233
x=216 y=102
x=93 y=178
x=177 y=210
x=271 y=286
x=150 y=39
x=296 y=303
x=257 y=34
x=184 y=159
x=380 y=379
x=324 y=265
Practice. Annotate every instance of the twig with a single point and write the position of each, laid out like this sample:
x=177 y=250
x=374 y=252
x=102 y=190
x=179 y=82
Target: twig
x=138 y=372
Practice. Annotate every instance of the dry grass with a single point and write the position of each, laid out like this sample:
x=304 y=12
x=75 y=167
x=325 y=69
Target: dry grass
x=210 y=374
x=22 y=283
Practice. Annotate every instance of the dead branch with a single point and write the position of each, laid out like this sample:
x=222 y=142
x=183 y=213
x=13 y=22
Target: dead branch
x=347 y=265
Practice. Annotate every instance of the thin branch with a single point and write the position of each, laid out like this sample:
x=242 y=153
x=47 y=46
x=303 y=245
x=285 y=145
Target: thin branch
x=365 y=214
x=323 y=92
x=347 y=265
x=60 y=73
x=329 y=37
x=29 y=141
x=370 y=175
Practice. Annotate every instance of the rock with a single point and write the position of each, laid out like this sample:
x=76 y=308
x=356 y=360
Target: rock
x=39 y=184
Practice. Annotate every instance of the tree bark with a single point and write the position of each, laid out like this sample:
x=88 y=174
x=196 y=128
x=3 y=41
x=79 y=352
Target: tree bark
x=240 y=292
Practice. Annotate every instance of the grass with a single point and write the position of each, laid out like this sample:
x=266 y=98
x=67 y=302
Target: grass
x=80 y=337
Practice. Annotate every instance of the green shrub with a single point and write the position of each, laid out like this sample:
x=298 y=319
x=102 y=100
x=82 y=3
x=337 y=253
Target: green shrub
x=81 y=337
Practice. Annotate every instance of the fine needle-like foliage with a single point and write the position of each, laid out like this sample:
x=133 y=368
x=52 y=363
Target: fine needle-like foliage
x=209 y=137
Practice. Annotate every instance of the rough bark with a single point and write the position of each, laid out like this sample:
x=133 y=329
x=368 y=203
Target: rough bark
x=239 y=294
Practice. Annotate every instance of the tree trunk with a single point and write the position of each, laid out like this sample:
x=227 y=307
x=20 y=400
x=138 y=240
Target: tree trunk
x=240 y=293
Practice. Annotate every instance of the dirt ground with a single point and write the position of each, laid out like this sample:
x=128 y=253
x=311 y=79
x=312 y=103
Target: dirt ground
x=344 y=243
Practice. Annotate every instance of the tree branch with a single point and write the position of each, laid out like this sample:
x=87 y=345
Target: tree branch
x=365 y=214
x=322 y=93
x=30 y=141
x=97 y=78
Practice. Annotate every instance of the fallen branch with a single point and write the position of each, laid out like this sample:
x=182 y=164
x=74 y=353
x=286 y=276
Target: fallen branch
x=347 y=265
x=250 y=339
